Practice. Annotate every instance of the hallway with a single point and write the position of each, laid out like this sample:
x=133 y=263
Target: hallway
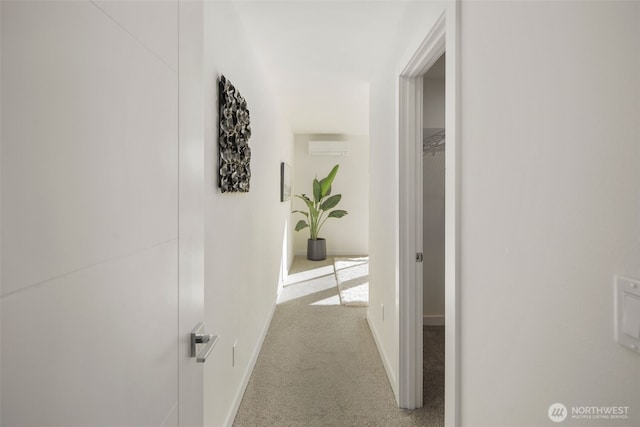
x=319 y=364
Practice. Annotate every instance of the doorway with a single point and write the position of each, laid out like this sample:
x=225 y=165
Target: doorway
x=442 y=37
x=433 y=232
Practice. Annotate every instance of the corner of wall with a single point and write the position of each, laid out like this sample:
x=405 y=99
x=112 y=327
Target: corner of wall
x=388 y=367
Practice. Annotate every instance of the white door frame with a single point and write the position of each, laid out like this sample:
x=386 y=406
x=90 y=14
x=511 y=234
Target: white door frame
x=444 y=36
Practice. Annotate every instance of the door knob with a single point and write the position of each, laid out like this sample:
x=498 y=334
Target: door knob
x=198 y=337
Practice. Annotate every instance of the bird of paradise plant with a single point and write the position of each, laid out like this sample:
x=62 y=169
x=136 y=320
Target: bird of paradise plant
x=318 y=208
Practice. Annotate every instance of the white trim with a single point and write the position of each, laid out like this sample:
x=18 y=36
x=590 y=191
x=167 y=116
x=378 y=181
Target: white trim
x=452 y=220
x=443 y=36
x=433 y=320
x=383 y=356
x=410 y=366
x=410 y=357
x=431 y=48
x=231 y=416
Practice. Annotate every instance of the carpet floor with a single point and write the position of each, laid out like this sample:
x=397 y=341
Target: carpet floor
x=319 y=365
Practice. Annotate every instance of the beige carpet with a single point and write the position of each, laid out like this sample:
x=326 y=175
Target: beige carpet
x=319 y=365
x=352 y=274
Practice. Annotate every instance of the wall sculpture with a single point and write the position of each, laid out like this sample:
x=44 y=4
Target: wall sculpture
x=234 y=154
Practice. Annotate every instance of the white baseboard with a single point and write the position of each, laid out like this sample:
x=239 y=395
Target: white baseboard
x=391 y=375
x=433 y=320
x=247 y=374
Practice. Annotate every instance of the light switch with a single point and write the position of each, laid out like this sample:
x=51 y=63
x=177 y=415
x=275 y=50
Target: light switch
x=627 y=309
x=631 y=315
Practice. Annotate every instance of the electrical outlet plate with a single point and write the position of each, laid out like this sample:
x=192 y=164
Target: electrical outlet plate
x=233 y=354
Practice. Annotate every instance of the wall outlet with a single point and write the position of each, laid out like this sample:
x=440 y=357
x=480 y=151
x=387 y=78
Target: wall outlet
x=233 y=354
x=382 y=310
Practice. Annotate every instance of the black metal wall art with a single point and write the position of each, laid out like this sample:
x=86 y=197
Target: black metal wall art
x=234 y=153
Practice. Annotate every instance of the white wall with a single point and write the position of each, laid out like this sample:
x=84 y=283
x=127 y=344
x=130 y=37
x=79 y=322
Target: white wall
x=89 y=213
x=0 y=210
x=383 y=184
x=550 y=206
x=433 y=205
x=244 y=232
x=348 y=235
x=383 y=224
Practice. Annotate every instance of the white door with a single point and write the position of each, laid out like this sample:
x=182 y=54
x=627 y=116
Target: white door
x=96 y=270
x=191 y=213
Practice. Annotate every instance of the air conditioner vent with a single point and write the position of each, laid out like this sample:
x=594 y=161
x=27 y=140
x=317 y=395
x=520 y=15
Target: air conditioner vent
x=328 y=148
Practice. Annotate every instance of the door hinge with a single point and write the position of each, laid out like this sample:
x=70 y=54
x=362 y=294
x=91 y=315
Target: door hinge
x=418 y=256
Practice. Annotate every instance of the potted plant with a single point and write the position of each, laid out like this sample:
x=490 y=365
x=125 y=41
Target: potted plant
x=318 y=213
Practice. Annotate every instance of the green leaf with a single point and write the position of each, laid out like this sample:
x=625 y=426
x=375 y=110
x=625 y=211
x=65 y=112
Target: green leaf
x=306 y=200
x=302 y=212
x=337 y=213
x=331 y=202
x=316 y=191
x=301 y=225
x=325 y=184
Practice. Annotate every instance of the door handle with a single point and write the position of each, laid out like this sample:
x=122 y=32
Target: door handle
x=198 y=337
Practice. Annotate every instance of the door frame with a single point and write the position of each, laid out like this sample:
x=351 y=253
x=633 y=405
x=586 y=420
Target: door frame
x=444 y=36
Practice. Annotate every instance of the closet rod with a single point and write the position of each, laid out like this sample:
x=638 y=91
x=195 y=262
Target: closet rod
x=434 y=142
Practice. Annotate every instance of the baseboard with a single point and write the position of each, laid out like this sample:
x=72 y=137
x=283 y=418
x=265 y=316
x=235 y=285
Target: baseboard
x=335 y=254
x=391 y=376
x=433 y=320
x=247 y=374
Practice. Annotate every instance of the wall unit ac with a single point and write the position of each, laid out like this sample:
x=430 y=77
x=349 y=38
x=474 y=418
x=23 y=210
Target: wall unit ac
x=328 y=148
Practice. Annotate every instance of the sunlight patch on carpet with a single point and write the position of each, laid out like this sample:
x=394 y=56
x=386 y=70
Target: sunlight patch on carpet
x=333 y=300
x=310 y=274
x=352 y=274
x=307 y=288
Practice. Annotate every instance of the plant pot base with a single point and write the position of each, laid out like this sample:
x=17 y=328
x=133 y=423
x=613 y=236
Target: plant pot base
x=316 y=249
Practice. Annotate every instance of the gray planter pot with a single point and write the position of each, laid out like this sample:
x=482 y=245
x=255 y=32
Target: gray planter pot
x=316 y=249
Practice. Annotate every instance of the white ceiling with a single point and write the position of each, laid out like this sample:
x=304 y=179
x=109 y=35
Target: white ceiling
x=320 y=55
